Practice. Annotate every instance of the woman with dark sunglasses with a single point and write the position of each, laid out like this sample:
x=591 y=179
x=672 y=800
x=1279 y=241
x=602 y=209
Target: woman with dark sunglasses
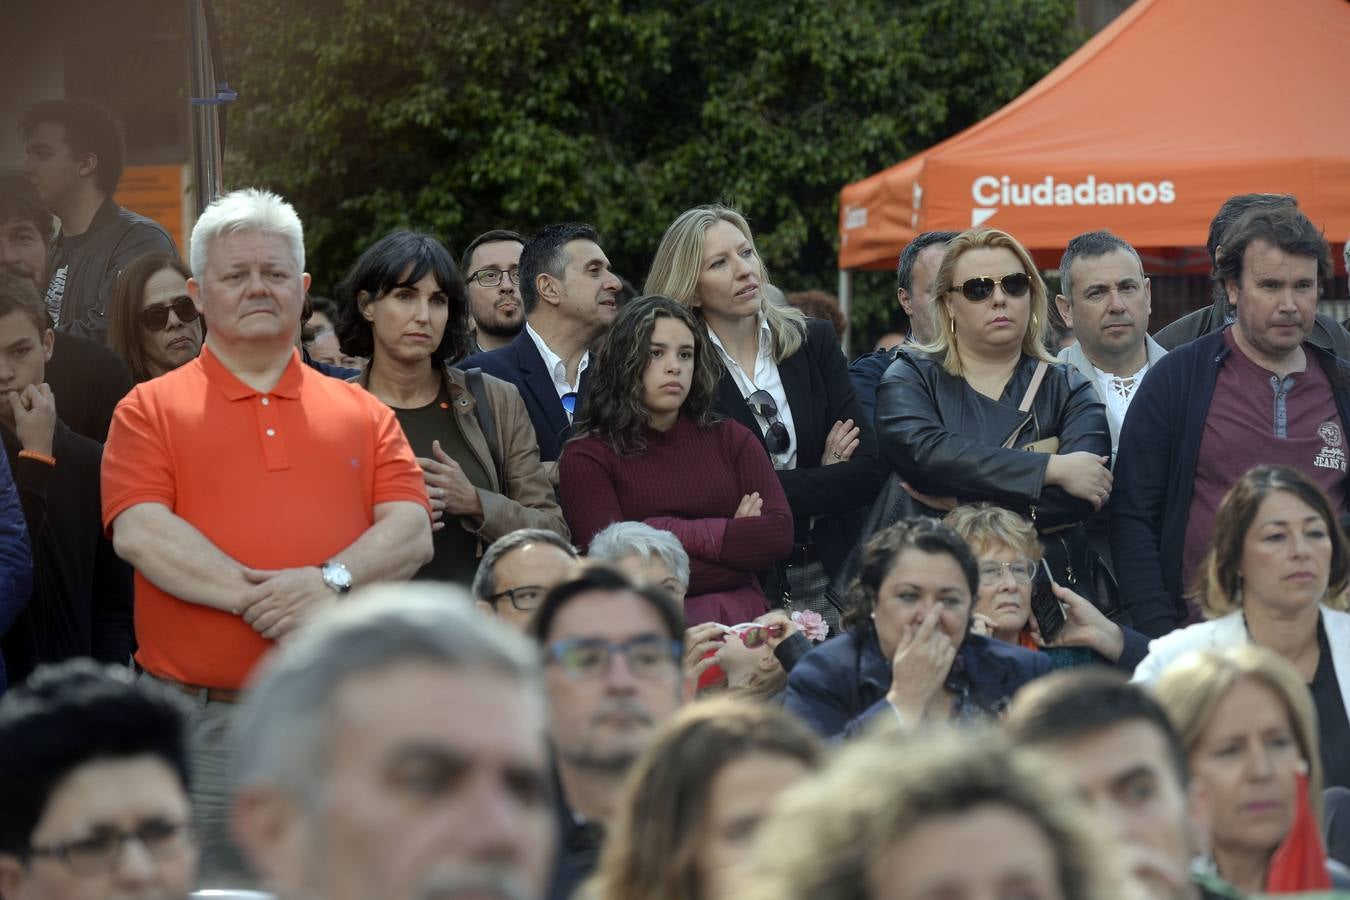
x=783 y=376
x=403 y=306
x=956 y=418
x=152 y=322
x=649 y=449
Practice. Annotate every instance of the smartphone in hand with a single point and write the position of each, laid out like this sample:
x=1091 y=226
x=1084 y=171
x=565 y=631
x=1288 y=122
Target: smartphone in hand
x=1045 y=605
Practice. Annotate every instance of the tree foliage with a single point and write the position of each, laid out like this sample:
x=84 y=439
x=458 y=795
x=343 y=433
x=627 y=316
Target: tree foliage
x=457 y=116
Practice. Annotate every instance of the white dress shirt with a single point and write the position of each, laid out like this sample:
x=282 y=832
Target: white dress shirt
x=1117 y=391
x=765 y=377
x=557 y=368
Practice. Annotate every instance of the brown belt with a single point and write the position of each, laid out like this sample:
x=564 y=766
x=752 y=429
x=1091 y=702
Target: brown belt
x=213 y=695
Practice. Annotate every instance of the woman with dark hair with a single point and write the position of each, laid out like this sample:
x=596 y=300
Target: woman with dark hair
x=784 y=377
x=1275 y=575
x=403 y=306
x=956 y=418
x=908 y=651
x=152 y=322
x=687 y=818
x=649 y=449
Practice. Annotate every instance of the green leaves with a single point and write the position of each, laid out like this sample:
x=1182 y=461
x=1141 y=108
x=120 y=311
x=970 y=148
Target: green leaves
x=457 y=116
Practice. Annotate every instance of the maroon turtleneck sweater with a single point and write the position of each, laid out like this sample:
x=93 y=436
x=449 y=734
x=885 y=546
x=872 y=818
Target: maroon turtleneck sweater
x=689 y=481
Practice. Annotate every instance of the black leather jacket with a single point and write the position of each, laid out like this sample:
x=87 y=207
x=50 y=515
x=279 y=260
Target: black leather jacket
x=945 y=439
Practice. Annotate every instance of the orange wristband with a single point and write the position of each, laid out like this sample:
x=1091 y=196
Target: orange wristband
x=40 y=457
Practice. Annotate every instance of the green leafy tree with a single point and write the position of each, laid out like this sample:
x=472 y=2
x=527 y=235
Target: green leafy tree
x=457 y=117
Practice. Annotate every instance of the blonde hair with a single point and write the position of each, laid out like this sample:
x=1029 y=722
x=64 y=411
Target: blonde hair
x=826 y=835
x=1190 y=689
x=982 y=525
x=943 y=345
x=679 y=259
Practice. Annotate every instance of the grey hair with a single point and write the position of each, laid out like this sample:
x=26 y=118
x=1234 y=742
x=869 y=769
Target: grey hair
x=485 y=579
x=1090 y=246
x=640 y=539
x=246 y=210
x=281 y=729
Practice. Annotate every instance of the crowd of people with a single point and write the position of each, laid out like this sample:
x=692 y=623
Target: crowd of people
x=492 y=577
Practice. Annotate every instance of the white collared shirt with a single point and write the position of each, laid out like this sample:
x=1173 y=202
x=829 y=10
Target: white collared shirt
x=765 y=377
x=1117 y=391
x=557 y=368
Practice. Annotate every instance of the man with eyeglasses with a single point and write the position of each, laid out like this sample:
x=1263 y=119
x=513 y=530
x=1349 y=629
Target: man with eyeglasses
x=82 y=593
x=491 y=267
x=518 y=570
x=570 y=297
x=87 y=375
x=94 y=788
x=612 y=657
x=1106 y=299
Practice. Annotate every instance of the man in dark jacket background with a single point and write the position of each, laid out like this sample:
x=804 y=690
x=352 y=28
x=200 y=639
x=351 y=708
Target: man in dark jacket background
x=74 y=154
x=1260 y=391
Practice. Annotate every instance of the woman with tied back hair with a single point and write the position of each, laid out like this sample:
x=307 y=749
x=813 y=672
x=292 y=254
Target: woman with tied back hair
x=152 y=322
x=908 y=652
x=937 y=814
x=694 y=799
x=403 y=306
x=784 y=377
x=1250 y=734
x=1275 y=575
x=957 y=417
x=649 y=449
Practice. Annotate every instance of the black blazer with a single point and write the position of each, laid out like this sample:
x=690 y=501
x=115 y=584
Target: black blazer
x=519 y=362
x=820 y=393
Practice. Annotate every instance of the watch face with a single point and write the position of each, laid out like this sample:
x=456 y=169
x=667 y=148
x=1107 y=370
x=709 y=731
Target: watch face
x=337 y=575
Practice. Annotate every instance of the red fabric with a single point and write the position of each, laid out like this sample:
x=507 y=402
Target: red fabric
x=1300 y=863
x=689 y=481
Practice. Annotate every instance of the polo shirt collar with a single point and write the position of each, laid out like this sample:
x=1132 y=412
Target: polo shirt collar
x=234 y=389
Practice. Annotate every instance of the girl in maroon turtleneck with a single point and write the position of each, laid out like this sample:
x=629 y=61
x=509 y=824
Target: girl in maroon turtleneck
x=650 y=450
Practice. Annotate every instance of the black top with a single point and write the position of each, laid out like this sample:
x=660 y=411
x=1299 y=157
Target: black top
x=455 y=557
x=1332 y=725
x=87 y=380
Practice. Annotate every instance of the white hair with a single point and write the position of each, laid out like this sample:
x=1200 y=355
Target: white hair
x=246 y=210
x=640 y=539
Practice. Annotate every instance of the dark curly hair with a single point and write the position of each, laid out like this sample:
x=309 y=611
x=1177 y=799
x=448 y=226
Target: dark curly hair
x=613 y=406
x=884 y=548
x=401 y=259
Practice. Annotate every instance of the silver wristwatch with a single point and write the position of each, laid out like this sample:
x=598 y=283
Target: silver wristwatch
x=336 y=576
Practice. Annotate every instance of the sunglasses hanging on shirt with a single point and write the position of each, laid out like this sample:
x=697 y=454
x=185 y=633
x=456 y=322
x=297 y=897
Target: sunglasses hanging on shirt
x=762 y=404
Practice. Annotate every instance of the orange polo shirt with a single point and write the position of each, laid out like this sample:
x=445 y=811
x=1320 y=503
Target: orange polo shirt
x=278 y=480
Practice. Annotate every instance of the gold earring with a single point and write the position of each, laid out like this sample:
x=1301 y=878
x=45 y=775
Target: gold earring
x=952 y=322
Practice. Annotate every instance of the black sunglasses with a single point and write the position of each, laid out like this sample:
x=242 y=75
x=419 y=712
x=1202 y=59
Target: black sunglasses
x=155 y=317
x=762 y=404
x=977 y=290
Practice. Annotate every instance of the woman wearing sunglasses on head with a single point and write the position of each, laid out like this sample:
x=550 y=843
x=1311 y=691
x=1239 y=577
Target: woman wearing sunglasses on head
x=784 y=377
x=649 y=449
x=956 y=418
x=152 y=323
x=403 y=307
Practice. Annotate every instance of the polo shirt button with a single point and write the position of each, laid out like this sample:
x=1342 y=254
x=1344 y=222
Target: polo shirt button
x=271 y=432
x=266 y=401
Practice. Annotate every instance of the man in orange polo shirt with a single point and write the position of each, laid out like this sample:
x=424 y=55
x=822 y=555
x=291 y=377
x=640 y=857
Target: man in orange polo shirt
x=248 y=490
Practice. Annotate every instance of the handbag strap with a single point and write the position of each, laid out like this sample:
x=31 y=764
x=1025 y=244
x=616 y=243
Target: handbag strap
x=1027 y=399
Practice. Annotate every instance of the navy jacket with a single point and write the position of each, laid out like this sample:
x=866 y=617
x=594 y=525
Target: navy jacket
x=841 y=684
x=816 y=382
x=1155 y=474
x=519 y=362
x=16 y=564
x=866 y=372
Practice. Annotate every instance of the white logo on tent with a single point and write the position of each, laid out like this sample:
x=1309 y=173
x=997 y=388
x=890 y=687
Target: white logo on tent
x=992 y=193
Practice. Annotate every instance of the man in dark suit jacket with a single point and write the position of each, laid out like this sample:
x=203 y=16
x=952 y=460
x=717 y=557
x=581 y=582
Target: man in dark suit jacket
x=568 y=291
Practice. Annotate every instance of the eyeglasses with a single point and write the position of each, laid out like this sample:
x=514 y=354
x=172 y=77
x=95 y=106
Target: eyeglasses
x=649 y=656
x=753 y=635
x=155 y=317
x=977 y=290
x=525 y=598
x=1022 y=571
x=98 y=854
x=493 y=277
x=762 y=404
x=569 y=402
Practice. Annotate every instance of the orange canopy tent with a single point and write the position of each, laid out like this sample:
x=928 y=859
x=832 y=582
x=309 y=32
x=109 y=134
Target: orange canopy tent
x=1145 y=130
